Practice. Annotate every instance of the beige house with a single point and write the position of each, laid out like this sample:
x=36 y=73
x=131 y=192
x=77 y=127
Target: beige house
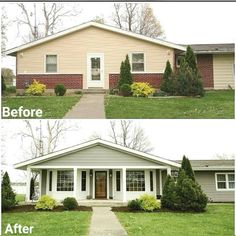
x=89 y=56
x=100 y=169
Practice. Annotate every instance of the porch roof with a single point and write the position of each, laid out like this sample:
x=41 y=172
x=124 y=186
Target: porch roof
x=36 y=161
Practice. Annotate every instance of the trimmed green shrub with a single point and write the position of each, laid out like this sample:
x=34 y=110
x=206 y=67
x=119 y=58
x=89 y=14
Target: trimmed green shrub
x=59 y=89
x=141 y=89
x=125 y=72
x=35 y=89
x=11 y=89
x=8 y=196
x=134 y=205
x=125 y=90
x=70 y=203
x=166 y=82
x=186 y=166
x=45 y=203
x=148 y=202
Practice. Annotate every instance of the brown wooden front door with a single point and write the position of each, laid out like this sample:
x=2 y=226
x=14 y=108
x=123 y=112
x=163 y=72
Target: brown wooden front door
x=100 y=184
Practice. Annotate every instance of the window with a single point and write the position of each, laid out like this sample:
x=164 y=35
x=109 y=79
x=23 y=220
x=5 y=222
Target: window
x=137 y=62
x=65 y=180
x=83 y=181
x=225 y=181
x=117 y=180
x=151 y=181
x=50 y=181
x=135 y=181
x=51 y=63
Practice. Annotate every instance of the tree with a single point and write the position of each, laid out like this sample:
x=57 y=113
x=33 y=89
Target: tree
x=125 y=72
x=99 y=19
x=43 y=19
x=32 y=188
x=8 y=76
x=3 y=84
x=166 y=84
x=4 y=24
x=125 y=133
x=137 y=18
x=8 y=196
x=186 y=166
x=191 y=60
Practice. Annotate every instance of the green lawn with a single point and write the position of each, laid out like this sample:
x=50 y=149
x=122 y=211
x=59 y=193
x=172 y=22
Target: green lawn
x=217 y=220
x=215 y=104
x=20 y=197
x=52 y=106
x=69 y=223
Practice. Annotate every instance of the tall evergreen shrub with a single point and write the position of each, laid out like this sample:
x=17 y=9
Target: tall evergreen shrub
x=125 y=72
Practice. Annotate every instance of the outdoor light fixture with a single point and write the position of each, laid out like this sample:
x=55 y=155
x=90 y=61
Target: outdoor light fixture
x=110 y=173
x=91 y=173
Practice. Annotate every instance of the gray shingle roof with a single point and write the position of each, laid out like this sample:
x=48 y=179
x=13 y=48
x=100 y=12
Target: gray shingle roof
x=213 y=48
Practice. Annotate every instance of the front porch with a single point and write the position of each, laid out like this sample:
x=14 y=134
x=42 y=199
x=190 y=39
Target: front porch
x=97 y=186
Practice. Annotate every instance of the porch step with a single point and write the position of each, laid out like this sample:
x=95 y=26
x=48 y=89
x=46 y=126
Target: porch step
x=95 y=91
x=102 y=203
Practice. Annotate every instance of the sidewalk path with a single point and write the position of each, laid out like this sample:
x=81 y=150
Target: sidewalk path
x=90 y=106
x=105 y=223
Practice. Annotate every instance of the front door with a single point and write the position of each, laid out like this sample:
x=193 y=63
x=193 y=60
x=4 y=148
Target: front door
x=95 y=70
x=100 y=184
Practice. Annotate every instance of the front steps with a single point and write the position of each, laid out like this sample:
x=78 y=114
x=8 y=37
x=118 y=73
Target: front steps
x=102 y=203
x=95 y=91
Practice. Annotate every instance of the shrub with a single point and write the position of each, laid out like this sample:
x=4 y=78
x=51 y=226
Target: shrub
x=8 y=196
x=36 y=89
x=166 y=83
x=60 y=90
x=125 y=90
x=141 y=89
x=159 y=94
x=148 y=203
x=11 y=89
x=78 y=92
x=125 y=72
x=3 y=85
x=70 y=203
x=134 y=205
x=186 y=166
x=45 y=203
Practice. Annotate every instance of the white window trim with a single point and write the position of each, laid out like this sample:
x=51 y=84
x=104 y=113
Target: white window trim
x=226 y=179
x=45 y=56
x=57 y=181
x=131 y=63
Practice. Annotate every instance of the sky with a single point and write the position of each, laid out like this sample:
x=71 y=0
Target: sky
x=171 y=139
x=184 y=23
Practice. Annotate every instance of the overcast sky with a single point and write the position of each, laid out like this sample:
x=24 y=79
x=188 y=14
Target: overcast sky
x=184 y=23
x=171 y=139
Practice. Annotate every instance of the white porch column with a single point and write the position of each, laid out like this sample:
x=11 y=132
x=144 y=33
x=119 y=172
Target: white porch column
x=75 y=182
x=160 y=178
x=124 y=184
x=28 y=184
x=40 y=183
x=168 y=171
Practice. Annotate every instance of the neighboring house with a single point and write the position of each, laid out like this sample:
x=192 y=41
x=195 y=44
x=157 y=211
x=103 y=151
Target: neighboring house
x=89 y=56
x=19 y=187
x=100 y=169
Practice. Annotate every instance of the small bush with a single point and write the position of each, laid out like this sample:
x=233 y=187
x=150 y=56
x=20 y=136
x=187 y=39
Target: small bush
x=70 y=203
x=159 y=94
x=125 y=90
x=148 y=203
x=134 y=205
x=141 y=89
x=3 y=84
x=45 y=203
x=36 y=89
x=114 y=91
x=60 y=90
x=11 y=89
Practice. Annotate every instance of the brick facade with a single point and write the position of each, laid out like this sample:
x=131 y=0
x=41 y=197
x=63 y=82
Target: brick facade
x=205 y=66
x=71 y=81
x=154 y=79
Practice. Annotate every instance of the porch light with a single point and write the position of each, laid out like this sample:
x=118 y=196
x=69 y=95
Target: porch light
x=91 y=173
x=110 y=173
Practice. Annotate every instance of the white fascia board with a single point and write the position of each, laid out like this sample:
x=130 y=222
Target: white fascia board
x=102 y=26
x=212 y=168
x=91 y=143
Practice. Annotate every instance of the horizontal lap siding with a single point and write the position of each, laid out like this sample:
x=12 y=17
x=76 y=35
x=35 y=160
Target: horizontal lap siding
x=72 y=52
x=98 y=156
x=207 y=181
x=223 y=71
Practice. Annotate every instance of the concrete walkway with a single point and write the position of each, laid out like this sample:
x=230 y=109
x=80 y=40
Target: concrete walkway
x=105 y=223
x=90 y=106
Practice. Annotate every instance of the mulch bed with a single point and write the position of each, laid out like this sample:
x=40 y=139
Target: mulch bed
x=31 y=208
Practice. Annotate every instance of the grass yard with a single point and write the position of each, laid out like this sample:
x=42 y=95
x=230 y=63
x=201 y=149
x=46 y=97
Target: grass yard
x=215 y=104
x=52 y=106
x=217 y=220
x=68 y=223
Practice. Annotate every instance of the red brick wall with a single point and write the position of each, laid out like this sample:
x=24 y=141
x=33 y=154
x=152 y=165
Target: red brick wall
x=205 y=66
x=71 y=81
x=154 y=79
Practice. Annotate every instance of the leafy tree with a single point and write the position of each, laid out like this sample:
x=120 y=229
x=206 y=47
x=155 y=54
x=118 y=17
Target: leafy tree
x=8 y=76
x=125 y=72
x=3 y=85
x=169 y=197
x=32 y=189
x=186 y=166
x=8 y=196
x=166 y=80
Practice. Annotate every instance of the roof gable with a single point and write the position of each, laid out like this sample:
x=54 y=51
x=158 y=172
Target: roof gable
x=13 y=51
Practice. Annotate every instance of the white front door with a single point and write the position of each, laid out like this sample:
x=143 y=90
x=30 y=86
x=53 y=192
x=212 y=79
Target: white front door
x=95 y=70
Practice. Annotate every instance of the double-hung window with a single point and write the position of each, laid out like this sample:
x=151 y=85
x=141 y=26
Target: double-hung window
x=224 y=181
x=137 y=62
x=51 y=64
